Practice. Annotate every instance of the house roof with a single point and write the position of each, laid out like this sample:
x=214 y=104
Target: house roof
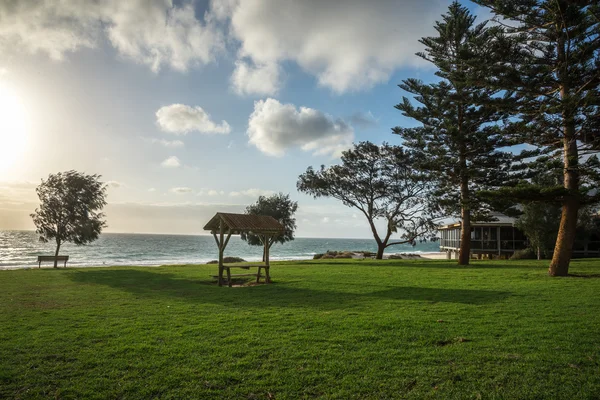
x=238 y=223
x=499 y=220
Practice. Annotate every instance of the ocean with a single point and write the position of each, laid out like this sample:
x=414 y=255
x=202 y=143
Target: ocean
x=19 y=249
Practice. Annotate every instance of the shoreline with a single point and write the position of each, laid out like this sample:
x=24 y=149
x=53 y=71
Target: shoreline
x=398 y=256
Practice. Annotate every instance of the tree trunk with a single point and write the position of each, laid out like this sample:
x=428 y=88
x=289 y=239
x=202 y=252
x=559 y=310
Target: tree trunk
x=465 y=232
x=56 y=254
x=380 y=244
x=539 y=253
x=559 y=266
x=380 y=249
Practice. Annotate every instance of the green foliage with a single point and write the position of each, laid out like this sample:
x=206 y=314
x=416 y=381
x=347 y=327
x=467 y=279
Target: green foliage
x=70 y=208
x=523 y=254
x=381 y=183
x=332 y=329
x=458 y=141
x=539 y=222
x=278 y=206
x=333 y=254
x=550 y=64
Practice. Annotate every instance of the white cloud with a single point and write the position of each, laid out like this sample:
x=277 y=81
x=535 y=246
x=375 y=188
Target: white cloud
x=274 y=127
x=182 y=119
x=150 y=32
x=348 y=45
x=251 y=193
x=152 y=190
x=171 y=162
x=213 y=192
x=115 y=184
x=256 y=80
x=180 y=190
x=166 y=143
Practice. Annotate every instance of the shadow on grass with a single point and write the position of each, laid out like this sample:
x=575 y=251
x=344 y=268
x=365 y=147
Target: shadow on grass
x=442 y=264
x=583 y=276
x=169 y=286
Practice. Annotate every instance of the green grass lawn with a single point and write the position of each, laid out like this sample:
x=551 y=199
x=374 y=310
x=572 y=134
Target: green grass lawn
x=324 y=329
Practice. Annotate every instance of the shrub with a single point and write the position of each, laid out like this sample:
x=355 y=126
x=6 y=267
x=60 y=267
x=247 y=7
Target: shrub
x=345 y=254
x=228 y=260
x=525 y=254
x=318 y=256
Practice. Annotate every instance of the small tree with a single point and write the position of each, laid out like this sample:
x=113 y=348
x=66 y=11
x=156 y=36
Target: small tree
x=539 y=222
x=278 y=206
x=70 y=205
x=382 y=184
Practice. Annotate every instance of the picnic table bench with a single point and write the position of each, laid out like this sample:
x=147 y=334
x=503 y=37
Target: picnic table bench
x=227 y=269
x=52 y=258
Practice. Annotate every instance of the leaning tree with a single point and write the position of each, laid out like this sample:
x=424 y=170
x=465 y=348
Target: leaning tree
x=70 y=209
x=381 y=183
x=458 y=138
x=553 y=70
x=280 y=207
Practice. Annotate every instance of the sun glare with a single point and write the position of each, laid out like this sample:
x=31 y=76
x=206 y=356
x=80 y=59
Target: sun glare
x=13 y=127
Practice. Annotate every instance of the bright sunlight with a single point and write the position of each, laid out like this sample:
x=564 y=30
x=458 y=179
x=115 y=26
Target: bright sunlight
x=13 y=126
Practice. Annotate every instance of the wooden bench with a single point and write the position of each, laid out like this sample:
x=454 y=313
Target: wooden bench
x=52 y=258
x=227 y=269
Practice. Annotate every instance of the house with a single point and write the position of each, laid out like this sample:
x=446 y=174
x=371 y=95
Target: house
x=501 y=238
x=498 y=237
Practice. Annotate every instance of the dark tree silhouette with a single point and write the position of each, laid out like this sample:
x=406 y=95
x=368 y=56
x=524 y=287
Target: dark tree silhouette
x=382 y=184
x=458 y=139
x=553 y=70
x=278 y=206
x=70 y=209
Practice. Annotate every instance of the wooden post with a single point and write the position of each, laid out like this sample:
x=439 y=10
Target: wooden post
x=221 y=233
x=267 y=263
x=229 y=277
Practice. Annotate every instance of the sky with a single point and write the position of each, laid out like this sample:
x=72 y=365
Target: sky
x=187 y=108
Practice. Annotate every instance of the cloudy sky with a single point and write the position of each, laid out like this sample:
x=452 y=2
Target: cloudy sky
x=190 y=107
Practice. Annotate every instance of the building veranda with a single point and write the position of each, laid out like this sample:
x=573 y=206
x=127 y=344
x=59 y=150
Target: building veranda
x=497 y=238
x=223 y=225
x=500 y=238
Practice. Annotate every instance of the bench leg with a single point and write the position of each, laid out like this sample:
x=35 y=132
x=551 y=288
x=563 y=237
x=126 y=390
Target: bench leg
x=229 y=277
x=258 y=275
x=40 y=265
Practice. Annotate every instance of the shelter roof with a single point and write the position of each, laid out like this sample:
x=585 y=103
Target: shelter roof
x=238 y=223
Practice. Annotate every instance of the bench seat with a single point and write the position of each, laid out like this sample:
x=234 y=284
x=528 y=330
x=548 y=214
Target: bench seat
x=245 y=266
x=51 y=259
x=233 y=275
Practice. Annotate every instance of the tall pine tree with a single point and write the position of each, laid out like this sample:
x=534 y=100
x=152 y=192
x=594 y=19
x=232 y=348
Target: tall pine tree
x=458 y=141
x=554 y=73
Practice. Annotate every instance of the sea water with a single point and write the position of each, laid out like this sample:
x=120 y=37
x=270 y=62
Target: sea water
x=19 y=249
